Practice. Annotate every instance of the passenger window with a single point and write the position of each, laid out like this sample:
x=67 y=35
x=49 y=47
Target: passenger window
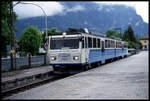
x=105 y=43
x=98 y=43
x=89 y=42
x=94 y=42
x=83 y=43
x=103 y=46
x=86 y=44
x=116 y=44
x=112 y=44
x=120 y=45
x=108 y=43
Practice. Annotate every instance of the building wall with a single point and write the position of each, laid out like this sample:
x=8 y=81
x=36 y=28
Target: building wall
x=145 y=44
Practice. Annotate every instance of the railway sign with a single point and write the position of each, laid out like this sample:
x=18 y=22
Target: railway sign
x=46 y=45
x=12 y=51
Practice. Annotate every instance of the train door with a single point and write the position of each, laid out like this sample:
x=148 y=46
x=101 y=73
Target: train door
x=103 y=51
x=103 y=48
x=86 y=49
x=115 y=47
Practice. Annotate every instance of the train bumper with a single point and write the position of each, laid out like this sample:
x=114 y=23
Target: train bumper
x=67 y=68
x=66 y=65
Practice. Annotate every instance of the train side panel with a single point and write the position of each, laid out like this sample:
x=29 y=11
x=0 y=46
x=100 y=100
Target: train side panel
x=96 y=55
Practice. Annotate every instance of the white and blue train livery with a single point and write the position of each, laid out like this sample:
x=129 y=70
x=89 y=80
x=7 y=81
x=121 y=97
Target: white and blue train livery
x=77 y=50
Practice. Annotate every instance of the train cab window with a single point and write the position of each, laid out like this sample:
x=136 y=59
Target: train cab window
x=89 y=42
x=94 y=42
x=98 y=43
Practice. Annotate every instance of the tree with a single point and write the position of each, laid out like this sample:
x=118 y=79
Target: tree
x=129 y=37
x=129 y=34
x=6 y=26
x=30 y=40
x=139 y=44
x=49 y=32
x=113 y=33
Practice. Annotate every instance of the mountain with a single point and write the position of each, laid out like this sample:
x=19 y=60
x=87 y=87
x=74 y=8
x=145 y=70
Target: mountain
x=96 y=17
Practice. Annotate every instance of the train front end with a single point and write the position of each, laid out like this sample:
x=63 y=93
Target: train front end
x=65 y=52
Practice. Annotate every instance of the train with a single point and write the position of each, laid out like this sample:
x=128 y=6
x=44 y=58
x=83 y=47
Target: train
x=76 y=50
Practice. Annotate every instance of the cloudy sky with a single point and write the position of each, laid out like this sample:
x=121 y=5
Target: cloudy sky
x=52 y=8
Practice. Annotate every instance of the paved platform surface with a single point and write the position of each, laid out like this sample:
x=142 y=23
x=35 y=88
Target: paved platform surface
x=123 y=79
x=27 y=72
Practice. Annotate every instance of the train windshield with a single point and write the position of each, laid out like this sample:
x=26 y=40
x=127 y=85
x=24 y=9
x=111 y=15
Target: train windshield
x=64 y=43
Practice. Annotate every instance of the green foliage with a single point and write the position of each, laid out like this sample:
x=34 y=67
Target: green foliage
x=131 y=44
x=113 y=33
x=30 y=40
x=139 y=44
x=6 y=26
x=129 y=35
x=130 y=38
x=49 y=32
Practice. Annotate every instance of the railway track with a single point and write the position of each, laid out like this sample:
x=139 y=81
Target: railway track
x=36 y=83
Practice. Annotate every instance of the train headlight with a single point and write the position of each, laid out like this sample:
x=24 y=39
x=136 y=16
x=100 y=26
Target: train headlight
x=76 y=58
x=53 y=58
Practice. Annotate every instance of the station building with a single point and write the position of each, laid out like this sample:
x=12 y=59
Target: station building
x=145 y=42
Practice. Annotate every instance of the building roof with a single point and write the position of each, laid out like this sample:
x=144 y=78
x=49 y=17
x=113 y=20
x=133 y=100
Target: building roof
x=145 y=37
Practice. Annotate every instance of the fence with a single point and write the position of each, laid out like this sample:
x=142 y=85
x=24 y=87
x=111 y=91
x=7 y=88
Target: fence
x=23 y=62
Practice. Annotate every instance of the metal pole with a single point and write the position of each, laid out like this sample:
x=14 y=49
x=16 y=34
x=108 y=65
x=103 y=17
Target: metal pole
x=45 y=25
x=14 y=43
x=44 y=14
x=11 y=40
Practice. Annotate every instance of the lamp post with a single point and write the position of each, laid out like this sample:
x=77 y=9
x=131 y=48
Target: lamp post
x=45 y=21
x=11 y=39
x=43 y=12
x=37 y=6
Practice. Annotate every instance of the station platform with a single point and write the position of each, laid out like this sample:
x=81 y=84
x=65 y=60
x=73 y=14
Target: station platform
x=18 y=78
x=123 y=79
x=25 y=73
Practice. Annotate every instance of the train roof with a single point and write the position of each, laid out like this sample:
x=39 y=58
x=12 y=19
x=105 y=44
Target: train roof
x=73 y=31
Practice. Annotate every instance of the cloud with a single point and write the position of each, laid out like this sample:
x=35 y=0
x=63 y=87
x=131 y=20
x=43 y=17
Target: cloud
x=141 y=7
x=51 y=8
x=76 y=8
x=29 y=10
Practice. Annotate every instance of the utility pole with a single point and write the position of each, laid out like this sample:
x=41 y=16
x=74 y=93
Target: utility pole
x=12 y=37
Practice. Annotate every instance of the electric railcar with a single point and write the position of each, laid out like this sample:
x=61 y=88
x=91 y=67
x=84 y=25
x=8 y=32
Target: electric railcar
x=76 y=50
